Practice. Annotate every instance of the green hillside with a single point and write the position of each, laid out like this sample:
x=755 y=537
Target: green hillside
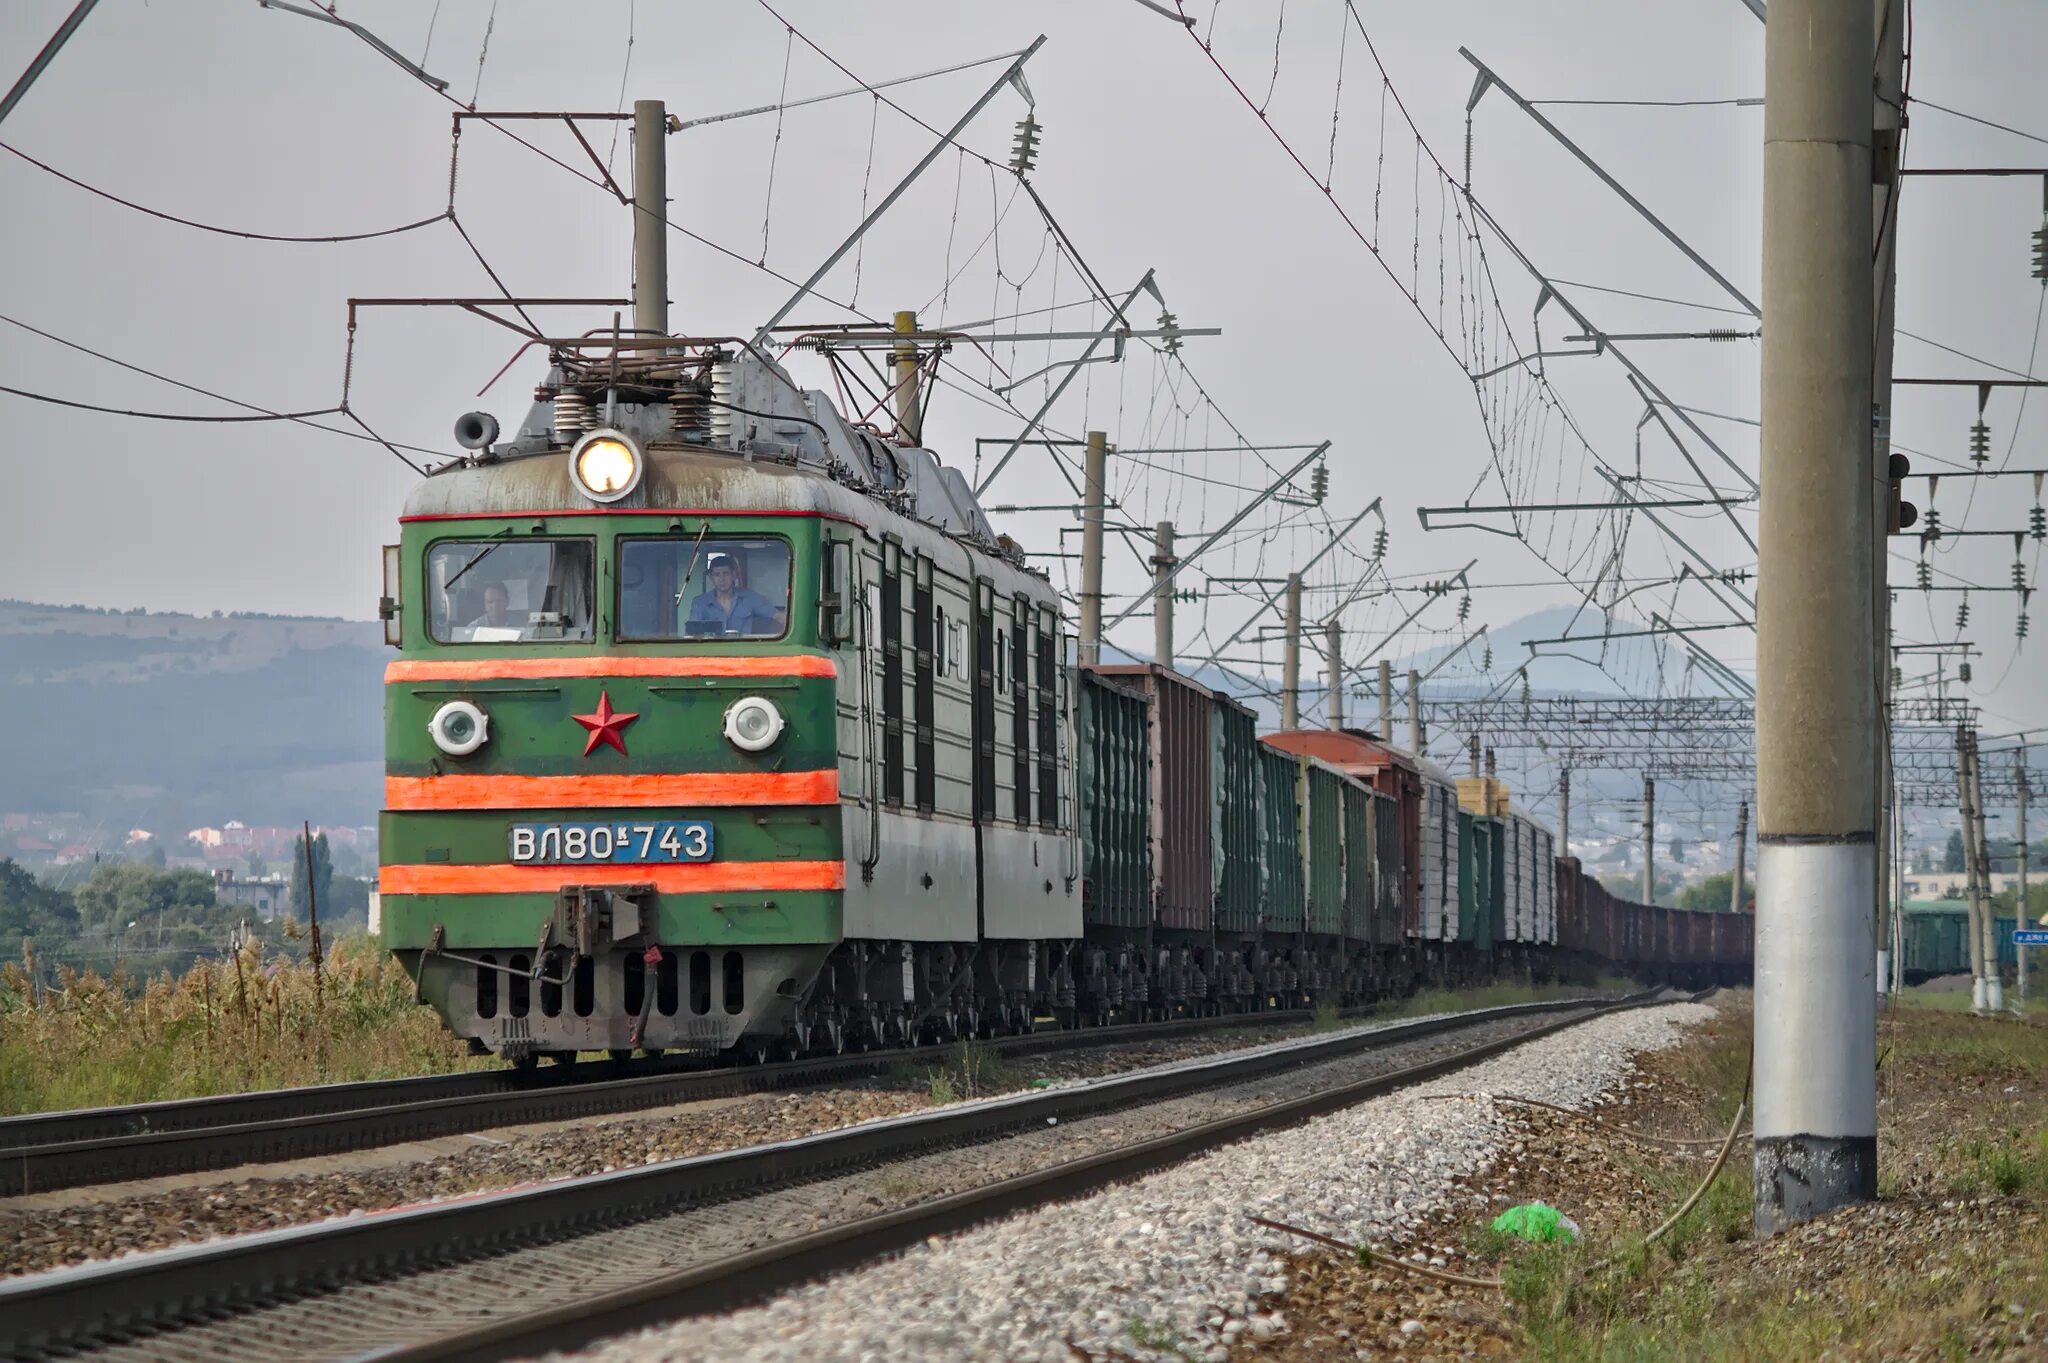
x=172 y=721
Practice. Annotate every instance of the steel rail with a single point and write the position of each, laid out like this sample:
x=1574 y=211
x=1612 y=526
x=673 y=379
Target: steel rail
x=63 y=1311
x=48 y=1151
x=741 y=1280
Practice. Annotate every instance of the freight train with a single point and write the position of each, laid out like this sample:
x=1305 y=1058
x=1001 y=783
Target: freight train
x=1934 y=938
x=721 y=722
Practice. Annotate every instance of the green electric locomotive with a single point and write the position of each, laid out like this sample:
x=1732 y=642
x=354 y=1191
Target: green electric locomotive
x=720 y=721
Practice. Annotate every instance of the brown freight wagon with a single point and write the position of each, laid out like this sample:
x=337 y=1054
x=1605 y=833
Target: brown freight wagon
x=1183 y=846
x=1571 y=923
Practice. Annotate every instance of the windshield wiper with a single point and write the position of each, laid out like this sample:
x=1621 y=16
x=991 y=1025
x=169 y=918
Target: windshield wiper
x=486 y=553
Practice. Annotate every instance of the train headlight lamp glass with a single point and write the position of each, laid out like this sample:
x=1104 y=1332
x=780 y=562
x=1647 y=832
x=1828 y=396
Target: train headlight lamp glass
x=753 y=723
x=606 y=465
x=459 y=728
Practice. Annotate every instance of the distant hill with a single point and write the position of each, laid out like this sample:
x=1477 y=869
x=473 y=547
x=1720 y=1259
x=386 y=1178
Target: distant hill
x=173 y=721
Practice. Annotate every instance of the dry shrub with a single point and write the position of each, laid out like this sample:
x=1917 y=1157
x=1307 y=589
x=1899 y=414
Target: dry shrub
x=244 y=1021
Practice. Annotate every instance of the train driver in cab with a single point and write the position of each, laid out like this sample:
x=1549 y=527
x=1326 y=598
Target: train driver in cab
x=728 y=608
x=497 y=624
x=497 y=608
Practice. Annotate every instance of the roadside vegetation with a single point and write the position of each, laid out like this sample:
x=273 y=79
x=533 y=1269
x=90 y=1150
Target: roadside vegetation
x=250 y=1020
x=1952 y=1262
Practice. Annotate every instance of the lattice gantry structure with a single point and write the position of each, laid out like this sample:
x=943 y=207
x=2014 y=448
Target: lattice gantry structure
x=1703 y=738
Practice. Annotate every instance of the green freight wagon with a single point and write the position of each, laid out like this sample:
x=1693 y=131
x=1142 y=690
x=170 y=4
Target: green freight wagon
x=1280 y=869
x=1360 y=897
x=1477 y=898
x=1325 y=853
x=1116 y=804
x=1236 y=776
x=1388 y=874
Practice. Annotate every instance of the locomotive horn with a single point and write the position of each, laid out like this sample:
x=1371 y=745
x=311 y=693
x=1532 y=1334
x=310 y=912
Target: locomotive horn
x=476 y=430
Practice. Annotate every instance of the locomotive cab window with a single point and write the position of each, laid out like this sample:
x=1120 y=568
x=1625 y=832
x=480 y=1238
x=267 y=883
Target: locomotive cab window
x=504 y=591
x=696 y=587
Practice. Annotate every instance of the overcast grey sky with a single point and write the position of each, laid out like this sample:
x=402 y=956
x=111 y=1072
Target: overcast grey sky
x=220 y=111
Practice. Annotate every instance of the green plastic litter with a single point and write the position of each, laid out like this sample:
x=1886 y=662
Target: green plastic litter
x=1536 y=1221
x=1041 y=1083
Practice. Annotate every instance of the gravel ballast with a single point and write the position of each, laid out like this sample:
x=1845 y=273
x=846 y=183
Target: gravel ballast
x=78 y=1225
x=1170 y=1266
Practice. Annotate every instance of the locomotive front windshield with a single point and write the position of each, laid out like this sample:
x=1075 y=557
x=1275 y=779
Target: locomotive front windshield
x=501 y=591
x=695 y=587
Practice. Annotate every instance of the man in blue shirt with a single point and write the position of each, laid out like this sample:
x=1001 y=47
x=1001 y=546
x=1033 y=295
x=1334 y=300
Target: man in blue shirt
x=731 y=609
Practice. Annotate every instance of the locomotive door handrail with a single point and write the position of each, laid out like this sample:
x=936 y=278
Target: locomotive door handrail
x=871 y=790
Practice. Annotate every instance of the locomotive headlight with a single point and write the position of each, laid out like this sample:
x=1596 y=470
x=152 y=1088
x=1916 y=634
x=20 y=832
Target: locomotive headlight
x=459 y=728
x=606 y=465
x=752 y=723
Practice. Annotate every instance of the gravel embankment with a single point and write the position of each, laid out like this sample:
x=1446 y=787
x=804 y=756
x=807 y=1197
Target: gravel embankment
x=1170 y=1266
x=89 y=1226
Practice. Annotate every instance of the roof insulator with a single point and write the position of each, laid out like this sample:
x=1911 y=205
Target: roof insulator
x=1024 y=153
x=1169 y=327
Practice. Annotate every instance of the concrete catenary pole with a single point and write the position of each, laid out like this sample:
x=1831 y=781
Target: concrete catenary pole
x=1564 y=812
x=1994 y=983
x=1290 y=657
x=1741 y=853
x=1887 y=108
x=904 y=383
x=1387 y=702
x=1898 y=901
x=1094 y=498
x=650 y=217
x=1472 y=749
x=2021 y=918
x=1162 y=598
x=1971 y=900
x=1416 y=737
x=1333 y=659
x=1649 y=840
x=1815 y=1057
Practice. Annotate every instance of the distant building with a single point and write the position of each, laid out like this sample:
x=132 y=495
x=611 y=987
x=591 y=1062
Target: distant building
x=205 y=837
x=269 y=896
x=1932 y=885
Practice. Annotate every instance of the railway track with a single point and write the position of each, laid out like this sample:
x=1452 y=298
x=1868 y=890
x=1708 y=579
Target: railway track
x=457 y=1280
x=55 y=1150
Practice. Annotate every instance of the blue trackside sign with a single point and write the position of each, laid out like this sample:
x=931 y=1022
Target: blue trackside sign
x=2030 y=937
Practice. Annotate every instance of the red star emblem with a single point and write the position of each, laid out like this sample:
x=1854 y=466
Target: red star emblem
x=606 y=726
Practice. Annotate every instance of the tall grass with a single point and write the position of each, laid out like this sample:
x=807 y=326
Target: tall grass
x=246 y=1021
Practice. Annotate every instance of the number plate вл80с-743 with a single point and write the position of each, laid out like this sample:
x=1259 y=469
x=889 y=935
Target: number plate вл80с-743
x=580 y=844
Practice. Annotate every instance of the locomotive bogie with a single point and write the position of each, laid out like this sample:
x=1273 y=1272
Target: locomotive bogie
x=703 y=998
